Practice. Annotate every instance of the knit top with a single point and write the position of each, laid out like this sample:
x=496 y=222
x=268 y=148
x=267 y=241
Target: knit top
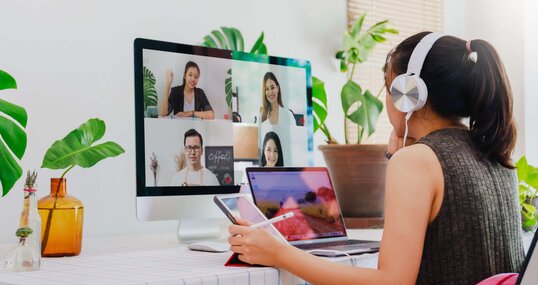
x=477 y=232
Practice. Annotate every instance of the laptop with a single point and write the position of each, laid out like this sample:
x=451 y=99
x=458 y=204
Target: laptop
x=529 y=270
x=317 y=225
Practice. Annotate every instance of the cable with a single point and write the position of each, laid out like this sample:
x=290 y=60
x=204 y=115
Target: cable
x=407 y=117
x=334 y=252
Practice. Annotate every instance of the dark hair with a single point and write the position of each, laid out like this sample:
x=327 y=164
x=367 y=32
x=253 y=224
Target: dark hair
x=266 y=104
x=187 y=66
x=193 y=133
x=272 y=136
x=459 y=88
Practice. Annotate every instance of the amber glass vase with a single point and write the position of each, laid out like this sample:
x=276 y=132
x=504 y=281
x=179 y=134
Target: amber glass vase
x=62 y=217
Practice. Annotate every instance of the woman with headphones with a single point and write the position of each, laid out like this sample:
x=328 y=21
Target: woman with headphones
x=451 y=209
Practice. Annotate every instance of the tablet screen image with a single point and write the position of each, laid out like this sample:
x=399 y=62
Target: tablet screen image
x=240 y=206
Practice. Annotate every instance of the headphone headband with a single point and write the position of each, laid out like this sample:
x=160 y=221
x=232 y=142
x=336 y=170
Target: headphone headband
x=421 y=51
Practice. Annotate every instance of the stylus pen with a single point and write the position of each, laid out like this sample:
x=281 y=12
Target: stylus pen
x=272 y=221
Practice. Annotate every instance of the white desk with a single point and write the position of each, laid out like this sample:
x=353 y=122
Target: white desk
x=158 y=259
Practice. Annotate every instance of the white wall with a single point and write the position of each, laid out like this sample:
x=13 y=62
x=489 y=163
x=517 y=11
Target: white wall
x=506 y=25
x=73 y=60
x=531 y=84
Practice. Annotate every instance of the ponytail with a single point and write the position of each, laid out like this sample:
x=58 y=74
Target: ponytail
x=490 y=105
x=463 y=86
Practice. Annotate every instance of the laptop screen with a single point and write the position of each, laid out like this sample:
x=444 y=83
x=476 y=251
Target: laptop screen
x=307 y=192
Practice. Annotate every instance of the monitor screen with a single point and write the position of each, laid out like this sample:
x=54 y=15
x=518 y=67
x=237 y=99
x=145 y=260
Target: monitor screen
x=307 y=192
x=203 y=115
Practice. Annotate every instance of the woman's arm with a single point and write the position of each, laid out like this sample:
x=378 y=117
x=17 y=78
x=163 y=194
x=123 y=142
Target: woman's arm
x=164 y=102
x=413 y=175
x=206 y=115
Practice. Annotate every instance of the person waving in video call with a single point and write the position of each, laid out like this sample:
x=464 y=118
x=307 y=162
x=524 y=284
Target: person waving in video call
x=186 y=100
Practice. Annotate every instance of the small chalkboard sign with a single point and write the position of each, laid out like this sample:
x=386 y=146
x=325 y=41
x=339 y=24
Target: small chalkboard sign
x=220 y=161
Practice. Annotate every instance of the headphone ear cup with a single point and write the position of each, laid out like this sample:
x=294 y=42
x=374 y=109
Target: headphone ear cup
x=422 y=94
x=408 y=93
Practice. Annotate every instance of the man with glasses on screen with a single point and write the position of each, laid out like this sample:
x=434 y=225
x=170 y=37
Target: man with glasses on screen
x=194 y=174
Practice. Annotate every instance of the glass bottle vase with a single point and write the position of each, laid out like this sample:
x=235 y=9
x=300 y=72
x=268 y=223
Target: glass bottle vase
x=62 y=218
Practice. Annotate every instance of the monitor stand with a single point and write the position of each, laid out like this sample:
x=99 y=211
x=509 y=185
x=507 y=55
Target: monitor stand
x=191 y=230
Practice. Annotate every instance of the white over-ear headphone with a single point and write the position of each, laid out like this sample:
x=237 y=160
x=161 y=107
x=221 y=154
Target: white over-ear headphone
x=408 y=91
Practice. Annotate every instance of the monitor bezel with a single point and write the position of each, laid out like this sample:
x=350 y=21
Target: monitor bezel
x=139 y=45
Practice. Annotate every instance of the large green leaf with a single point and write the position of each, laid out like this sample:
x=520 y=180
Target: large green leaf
x=7 y=81
x=14 y=136
x=351 y=93
x=150 y=93
x=10 y=171
x=369 y=106
x=228 y=88
x=76 y=148
x=13 y=139
x=240 y=43
x=221 y=40
x=231 y=37
x=259 y=47
x=319 y=102
x=209 y=42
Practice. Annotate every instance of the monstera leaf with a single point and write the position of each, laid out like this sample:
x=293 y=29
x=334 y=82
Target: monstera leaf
x=13 y=138
x=319 y=102
x=232 y=39
x=368 y=111
x=77 y=148
x=150 y=94
x=228 y=88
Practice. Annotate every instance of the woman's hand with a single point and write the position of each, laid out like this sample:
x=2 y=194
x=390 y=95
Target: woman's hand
x=254 y=246
x=169 y=77
x=396 y=142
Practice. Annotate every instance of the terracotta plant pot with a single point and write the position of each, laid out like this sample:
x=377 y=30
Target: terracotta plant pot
x=358 y=176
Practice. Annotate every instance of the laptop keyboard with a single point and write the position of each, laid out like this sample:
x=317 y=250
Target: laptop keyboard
x=333 y=244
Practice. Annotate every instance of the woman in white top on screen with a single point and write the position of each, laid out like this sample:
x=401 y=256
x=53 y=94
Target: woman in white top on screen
x=273 y=110
x=272 y=151
x=186 y=100
x=194 y=174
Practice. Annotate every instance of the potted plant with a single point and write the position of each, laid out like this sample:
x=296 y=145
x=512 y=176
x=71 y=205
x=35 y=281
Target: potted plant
x=61 y=213
x=13 y=134
x=358 y=170
x=527 y=176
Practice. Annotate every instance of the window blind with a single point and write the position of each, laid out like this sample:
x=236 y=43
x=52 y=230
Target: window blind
x=408 y=17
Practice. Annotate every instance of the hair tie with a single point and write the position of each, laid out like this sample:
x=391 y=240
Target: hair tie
x=471 y=55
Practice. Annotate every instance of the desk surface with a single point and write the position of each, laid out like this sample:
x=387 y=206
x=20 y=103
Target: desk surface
x=158 y=258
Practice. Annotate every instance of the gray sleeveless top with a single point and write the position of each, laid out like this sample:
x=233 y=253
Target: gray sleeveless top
x=477 y=232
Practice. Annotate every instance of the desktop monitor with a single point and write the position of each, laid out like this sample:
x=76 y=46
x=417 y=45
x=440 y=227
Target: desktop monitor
x=202 y=115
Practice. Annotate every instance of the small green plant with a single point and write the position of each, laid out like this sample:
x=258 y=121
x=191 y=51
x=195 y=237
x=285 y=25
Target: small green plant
x=13 y=121
x=528 y=191
x=76 y=148
x=360 y=106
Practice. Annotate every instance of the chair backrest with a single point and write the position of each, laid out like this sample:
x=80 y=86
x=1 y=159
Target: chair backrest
x=529 y=270
x=501 y=279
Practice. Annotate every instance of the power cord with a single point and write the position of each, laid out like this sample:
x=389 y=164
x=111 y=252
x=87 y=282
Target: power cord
x=334 y=253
